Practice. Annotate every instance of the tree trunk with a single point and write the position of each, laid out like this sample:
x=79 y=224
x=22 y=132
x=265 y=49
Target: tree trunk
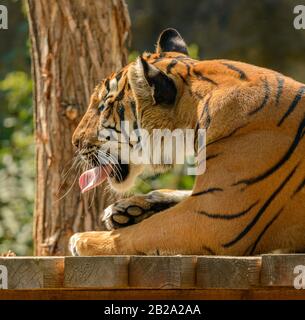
x=75 y=43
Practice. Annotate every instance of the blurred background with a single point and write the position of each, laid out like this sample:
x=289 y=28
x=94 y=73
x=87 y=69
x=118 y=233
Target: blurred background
x=258 y=32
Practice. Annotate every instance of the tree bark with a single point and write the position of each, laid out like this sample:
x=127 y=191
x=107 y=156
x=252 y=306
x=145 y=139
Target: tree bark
x=74 y=44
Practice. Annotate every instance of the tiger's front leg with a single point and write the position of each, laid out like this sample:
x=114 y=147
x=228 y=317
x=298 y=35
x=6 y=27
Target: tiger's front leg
x=135 y=209
x=177 y=230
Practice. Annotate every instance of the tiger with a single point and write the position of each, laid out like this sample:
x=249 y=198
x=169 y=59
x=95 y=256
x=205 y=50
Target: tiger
x=251 y=198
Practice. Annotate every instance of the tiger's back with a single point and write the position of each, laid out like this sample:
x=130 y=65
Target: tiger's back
x=255 y=178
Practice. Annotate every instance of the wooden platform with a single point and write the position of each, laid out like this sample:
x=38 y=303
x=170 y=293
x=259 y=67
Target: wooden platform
x=146 y=277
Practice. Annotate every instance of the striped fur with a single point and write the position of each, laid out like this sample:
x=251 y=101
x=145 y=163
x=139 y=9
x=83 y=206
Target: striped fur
x=251 y=199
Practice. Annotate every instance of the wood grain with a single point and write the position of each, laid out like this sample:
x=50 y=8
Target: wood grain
x=243 y=277
x=162 y=272
x=228 y=272
x=93 y=272
x=272 y=293
x=32 y=273
x=278 y=270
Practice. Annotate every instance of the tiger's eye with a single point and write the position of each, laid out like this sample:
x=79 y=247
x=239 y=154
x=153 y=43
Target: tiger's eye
x=101 y=107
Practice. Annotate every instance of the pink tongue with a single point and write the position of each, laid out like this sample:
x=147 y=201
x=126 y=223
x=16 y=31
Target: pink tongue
x=92 y=178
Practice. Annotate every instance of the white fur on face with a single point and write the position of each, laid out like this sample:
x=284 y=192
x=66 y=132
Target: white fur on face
x=113 y=85
x=139 y=85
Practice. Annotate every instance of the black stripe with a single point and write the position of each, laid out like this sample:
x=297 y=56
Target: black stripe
x=299 y=188
x=121 y=112
x=110 y=134
x=261 y=211
x=211 y=190
x=129 y=143
x=280 y=86
x=188 y=69
x=133 y=109
x=206 y=112
x=171 y=65
x=196 y=128
x=241 y=73
x=107 y=85
x=228 y=216
x=134 y=112
x=119 y=76
x=112 y=128
x=182 y=78
x=226 y=137
x=200 y=76
x=254 y=245
x=265 y=100
x=161 y=57
x=212 y=156
x=188 y=66
x=135 y=125
x=293 y=105
x=196 y=134
x=120 y=95
x=187 y=62
x=285 y=158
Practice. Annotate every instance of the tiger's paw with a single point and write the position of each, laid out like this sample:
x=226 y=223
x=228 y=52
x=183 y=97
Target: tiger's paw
x=133 y=210
x=94 y=243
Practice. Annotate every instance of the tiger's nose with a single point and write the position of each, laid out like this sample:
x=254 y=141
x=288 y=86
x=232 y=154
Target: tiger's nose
x=84 y=143
x=82 y=139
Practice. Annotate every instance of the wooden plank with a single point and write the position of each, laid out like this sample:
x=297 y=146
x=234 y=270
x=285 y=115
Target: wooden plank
x=228 y=272
x=271 y=293
x=93 y=272
x=33 y=272
x=278 y=270
x=154 y=272
x=162 y=272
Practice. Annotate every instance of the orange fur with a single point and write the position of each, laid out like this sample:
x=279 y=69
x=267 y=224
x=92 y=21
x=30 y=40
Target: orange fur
x=251 y=199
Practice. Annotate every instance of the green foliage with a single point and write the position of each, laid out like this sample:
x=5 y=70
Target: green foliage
x=16 y=163
x=16 y=134
x=193 y=50
x=133 y=56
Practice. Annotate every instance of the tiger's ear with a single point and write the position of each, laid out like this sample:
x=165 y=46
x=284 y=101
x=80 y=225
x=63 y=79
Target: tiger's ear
x=170 y=40
x=151 y=84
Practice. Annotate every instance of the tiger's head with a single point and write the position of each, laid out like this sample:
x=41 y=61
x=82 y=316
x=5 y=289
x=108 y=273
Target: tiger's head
x=150 y=93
